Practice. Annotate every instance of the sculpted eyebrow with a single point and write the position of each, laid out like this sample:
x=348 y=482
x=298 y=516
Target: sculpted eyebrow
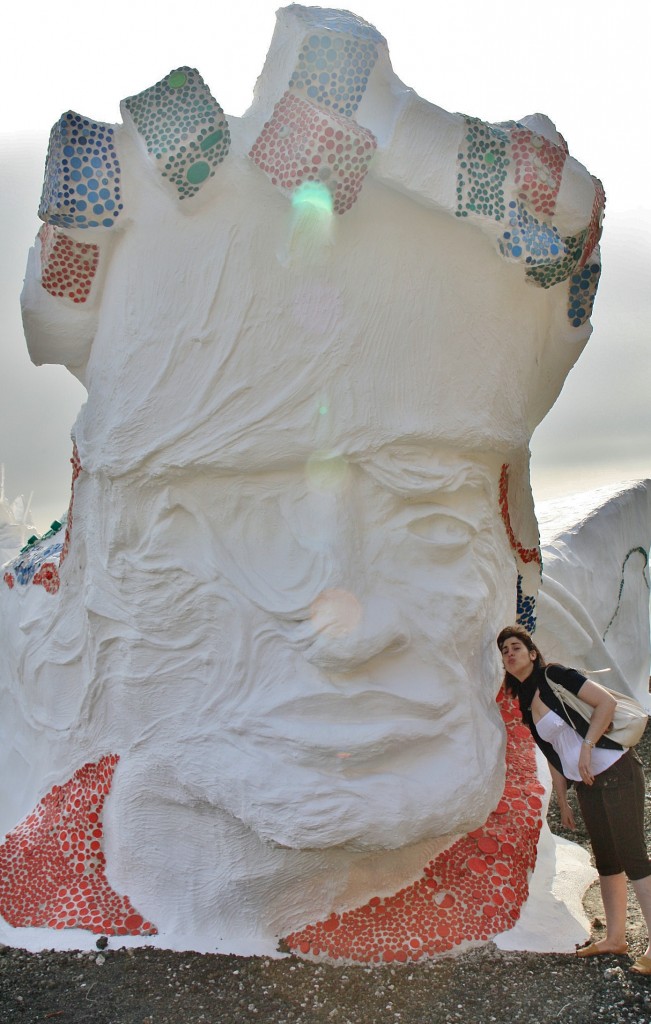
x=440 y=483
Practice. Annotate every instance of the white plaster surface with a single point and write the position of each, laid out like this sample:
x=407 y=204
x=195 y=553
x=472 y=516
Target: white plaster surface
x=553 y=919
x=288 y=565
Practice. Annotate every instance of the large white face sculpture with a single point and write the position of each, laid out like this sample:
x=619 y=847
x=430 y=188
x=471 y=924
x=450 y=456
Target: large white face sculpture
x=288 y=558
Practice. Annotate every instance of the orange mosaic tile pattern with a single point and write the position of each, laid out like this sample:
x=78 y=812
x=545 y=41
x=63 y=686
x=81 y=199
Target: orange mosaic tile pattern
x=47 y=577
x=526 y=554
x=76 y=470
x=471 y=892
x=67 y=267
x=302 y=143
x=594 y=230
x=52 y=868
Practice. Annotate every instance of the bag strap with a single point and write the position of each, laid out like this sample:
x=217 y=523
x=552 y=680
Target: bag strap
x=558 y=690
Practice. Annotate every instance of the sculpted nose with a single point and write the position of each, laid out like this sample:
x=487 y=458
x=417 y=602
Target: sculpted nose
x=347 y=633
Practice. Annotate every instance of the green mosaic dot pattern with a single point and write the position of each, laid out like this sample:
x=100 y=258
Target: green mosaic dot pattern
x=487 y=155
x=183 y=127
x=553 y=273
x=483 y=163
x=583 y=281
x=333 y=71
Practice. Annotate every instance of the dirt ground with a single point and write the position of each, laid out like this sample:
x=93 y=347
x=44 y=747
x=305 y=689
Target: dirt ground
x=481 y=986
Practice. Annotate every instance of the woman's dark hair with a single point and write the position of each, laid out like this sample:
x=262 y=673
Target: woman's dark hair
x=511 y=684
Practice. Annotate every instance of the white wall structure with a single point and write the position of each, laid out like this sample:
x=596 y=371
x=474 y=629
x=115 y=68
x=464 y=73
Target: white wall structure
x=249 y=697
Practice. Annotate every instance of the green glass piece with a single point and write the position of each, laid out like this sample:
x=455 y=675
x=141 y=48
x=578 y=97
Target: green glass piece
x=198 y=172
x=211 y=140
x=177 y=80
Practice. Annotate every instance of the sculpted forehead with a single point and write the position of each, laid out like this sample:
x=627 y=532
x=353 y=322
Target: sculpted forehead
x=278 y=356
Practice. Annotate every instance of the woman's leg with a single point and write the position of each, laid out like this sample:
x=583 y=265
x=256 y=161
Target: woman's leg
x=613 y=810
x=613 y=895
x=612 y=879
x=642 y=888
x=625 y=805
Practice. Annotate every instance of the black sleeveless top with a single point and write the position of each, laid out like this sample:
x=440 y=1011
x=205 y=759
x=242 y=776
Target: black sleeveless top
x=572 y=681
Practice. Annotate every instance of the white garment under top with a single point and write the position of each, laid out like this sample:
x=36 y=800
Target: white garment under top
x=567 y=744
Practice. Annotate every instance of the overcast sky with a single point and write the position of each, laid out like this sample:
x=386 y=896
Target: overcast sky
x=586 y=66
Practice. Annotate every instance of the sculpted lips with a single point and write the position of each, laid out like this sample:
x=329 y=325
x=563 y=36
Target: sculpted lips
x=366 y=725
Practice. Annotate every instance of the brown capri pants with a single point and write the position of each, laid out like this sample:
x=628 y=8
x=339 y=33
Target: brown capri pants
x=613 y=811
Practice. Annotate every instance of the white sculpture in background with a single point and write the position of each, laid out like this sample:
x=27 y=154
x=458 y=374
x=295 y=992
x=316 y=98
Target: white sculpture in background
x=16 y=525
x=303 y=438
x=593 y=607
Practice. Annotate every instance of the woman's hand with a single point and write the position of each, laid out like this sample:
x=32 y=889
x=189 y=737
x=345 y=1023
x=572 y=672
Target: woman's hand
x=604 y=705
x=567 y=816
x=585 y=765
x=559 y=783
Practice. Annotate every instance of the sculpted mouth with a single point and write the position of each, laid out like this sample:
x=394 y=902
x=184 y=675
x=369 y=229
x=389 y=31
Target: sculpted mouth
x=360 y=727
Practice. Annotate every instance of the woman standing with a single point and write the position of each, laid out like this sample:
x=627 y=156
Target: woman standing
x=609 y=781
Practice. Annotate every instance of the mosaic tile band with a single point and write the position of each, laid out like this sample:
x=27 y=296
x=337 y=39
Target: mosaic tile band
x=68 y=267
x=53 y=868
x=303 y=143
x=333 y=71
x=645 y=558
x=525 y=554
x=183 y=127
x=472 y=891
x=82 y=175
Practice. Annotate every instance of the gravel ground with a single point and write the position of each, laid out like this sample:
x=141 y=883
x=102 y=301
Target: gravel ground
x=481 y=986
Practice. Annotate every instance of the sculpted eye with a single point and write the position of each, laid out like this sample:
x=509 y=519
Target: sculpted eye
x=446 y=532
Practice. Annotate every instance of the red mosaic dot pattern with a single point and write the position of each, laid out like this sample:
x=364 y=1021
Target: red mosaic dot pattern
x=47 y=577
x=302 y=143
x=471 y=892
x=596 y=219
x=52 y=865
x=538 y=169
x=67 y=267
x=9 y=580
x=526 y=554
x=76 y=470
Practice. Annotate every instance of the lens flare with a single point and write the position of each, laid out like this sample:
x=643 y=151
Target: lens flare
x=336 y=612
x=325 y=473
x=314 y=195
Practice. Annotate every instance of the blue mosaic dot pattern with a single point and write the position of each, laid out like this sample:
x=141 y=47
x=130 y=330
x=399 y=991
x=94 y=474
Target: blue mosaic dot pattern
x=82 y=175
x=333 y=71
x=528 y=241
x=582 y=281
x=337 y=21
x=487 y=154
x=183 y=127
x=583 y=288
x=526 y=609
x=27 y=565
